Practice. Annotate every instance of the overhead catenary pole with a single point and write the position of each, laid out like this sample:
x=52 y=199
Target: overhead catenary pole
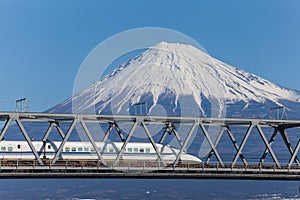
x=22 y=105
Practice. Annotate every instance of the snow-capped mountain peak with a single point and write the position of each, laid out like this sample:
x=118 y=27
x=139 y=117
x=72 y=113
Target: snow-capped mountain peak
x=176 y=70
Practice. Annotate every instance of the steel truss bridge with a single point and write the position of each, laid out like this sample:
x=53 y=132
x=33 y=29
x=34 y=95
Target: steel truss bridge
x=237 y=167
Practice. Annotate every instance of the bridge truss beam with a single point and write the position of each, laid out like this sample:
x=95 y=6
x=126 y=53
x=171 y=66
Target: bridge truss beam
x=195 y=125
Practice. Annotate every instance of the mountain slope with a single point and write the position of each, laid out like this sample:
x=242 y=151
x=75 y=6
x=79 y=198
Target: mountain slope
x=174 y=76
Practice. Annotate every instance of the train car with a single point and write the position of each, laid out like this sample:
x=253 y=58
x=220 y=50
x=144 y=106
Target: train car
x=134 y=151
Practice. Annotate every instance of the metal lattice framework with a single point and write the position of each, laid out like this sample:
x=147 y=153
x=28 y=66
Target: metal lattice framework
x=194 y=123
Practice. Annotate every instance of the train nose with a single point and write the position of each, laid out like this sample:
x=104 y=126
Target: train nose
x=192 y=159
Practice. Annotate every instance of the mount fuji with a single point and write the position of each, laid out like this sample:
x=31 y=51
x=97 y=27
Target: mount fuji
x=180 y=80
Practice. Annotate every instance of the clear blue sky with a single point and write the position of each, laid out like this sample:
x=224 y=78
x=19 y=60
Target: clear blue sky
x=43 y=43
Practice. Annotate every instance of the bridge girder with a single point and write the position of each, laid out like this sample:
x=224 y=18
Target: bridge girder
x=194 y=124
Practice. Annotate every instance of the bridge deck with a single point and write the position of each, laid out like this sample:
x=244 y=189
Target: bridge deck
x=94 y=169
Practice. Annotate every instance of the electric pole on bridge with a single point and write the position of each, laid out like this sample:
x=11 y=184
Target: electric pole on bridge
x=275 y=113
x=138 y=108
x=22 y=105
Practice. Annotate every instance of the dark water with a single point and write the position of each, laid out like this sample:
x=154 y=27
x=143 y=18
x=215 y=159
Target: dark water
x=146 y=189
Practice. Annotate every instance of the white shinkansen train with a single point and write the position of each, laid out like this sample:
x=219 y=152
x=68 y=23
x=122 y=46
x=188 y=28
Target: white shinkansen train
x=12 y=150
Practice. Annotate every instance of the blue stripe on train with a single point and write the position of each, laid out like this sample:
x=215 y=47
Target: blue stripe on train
x=81 y=153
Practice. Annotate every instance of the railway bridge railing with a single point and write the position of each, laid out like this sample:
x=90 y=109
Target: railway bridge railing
x=236 y=130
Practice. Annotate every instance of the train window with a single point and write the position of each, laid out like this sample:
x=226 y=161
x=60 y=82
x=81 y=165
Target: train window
x=135 y=150
x=92 y=149
x=147 y=150
x=9 y=149
x=67 y=149
x=79 y=148
x=49 y=146
x=129 y=150
x=19 y=146
x=142 y=150
x=73 y=149
x=86 y=149
x=3 y=148
x=111 y=149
